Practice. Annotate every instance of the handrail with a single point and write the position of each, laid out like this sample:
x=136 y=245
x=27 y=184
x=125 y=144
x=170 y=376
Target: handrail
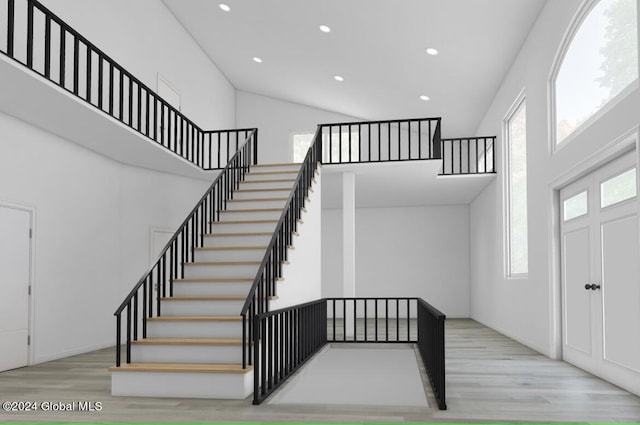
x=468 y=155
x=381 y=141
x=287 y=338
x=100 y=81
x=180 y=249
x=270 y=269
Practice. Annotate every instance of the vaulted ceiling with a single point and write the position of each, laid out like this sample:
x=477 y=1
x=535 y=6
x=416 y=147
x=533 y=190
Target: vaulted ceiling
x=377 y=46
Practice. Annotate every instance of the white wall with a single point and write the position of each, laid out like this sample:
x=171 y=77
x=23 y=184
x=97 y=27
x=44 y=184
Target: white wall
x=277 y=120
x=303 y=275
x=523 y=308
x=144 y=37
x=91 y=233
x=404 y=252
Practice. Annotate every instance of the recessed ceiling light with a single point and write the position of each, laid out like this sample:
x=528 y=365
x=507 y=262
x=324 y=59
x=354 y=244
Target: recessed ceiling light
x=431 y=51
x=257 y=59
x=338 y=78
x=325 y=28
x=423 y=97
x=225 y=7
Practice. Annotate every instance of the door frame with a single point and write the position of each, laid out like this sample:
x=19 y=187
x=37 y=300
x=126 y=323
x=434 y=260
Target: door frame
x=32 y=269
x=621 y=145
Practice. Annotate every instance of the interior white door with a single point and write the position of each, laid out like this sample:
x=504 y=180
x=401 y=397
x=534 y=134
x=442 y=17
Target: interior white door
x=601 y=275
x=15 y=259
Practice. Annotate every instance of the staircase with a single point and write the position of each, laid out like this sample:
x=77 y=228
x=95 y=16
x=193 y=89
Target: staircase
x=194 y=348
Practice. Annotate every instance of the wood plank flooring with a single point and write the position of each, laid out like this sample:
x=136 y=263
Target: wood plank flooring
x=489 y=378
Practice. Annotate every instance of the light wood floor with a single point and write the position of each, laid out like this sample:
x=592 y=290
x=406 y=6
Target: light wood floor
x=489 y=378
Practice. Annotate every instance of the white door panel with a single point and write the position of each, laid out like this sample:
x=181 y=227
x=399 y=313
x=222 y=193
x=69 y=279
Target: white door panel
x=15 y=258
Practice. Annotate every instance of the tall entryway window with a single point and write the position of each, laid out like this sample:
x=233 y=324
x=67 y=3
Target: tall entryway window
x=600 y=273
x=517 y=251
x=599 y=62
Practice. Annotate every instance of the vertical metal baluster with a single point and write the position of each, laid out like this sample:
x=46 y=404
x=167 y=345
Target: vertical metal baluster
x=120 y=94
x=389 y=140
x=100 y=80
x=47 y=46
x=130 y=100
x=11 y=6
x=420 y=140
x=365 y=320
x=139 y=128
x=386 y=319
x=355 y=321
x=118 y=338
x=111 y=88
x=135 y=316
x=397 y=319
x=376 y=317
x=344 y=320
x=88 y=88
x=129 y=332
x=409 y=135
x=63 y=55
x=399 y=141
x=76 y=64
x=30 y=34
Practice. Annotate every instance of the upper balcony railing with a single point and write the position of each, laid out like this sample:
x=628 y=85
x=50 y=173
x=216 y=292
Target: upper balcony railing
x=381 y=141
x=468 y=155
x=35 y=37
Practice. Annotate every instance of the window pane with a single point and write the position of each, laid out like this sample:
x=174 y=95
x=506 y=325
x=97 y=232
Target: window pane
x=576 y=206
x=518 y=234
x=618 y=189
x=600 y=62
x=301 y=144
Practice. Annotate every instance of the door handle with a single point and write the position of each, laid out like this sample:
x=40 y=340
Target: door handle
x=593 y=286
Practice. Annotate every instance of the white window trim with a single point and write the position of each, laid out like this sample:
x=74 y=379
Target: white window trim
x=506 y=194
x=576 y=22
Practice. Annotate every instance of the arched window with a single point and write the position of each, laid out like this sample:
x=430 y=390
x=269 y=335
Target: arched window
x=599 y=63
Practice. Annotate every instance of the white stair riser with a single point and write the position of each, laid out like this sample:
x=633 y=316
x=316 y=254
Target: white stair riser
x=185 y=385
x=229 y=255
x=196 y=329
x=201 y=308
x=253 y=240
x=254 y=204
x=221 y=227
x=210 y=289
x=250 y=215
x=262 y=184
x=277 y=175
x=263 y=194
x=186 y=353
x=206 y=271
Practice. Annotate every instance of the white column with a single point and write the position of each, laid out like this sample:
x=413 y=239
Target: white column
x=349 y=235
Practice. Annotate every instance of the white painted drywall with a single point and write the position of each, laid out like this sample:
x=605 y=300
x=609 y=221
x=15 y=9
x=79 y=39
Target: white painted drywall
x=332 y=258
x=404 y=252
x=277 y=120
x=92 y=231
x=520 y=308
x=145 y=38
x=303 y=275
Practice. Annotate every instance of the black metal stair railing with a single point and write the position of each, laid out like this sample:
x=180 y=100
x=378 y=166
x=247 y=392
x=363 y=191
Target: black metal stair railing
x=287 y=338
x=270 y=269
x=381 y=141
x=141 y=304
x=45 y=44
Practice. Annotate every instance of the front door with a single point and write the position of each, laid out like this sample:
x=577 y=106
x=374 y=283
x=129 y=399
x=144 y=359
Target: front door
x=600 y=273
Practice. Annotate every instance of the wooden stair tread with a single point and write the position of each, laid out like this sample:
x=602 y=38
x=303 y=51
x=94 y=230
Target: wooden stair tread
x=195 y=319
x=244 y=222
x=209 y=235
x=275 y=189
x=262 y=173
x=229 y=248
x=280 y=164
x=212 y=298
x=214 y=279
x=252 y=210
x=258 y=200
x=182 y=368
x=188 y=341
x=269 y=181
x=221 y=263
